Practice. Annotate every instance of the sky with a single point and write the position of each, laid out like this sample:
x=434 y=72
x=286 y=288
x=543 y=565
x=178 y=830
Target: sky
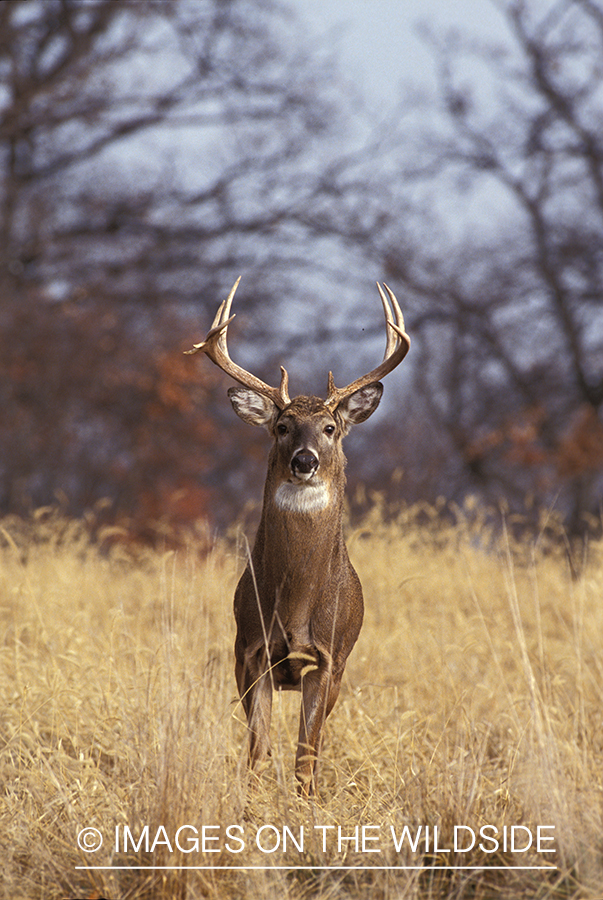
x=381 y=54
x=377 y=42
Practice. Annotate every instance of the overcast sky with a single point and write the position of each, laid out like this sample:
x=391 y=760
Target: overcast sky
x=378 y=46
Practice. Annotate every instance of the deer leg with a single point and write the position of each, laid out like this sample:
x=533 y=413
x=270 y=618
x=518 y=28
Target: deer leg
x=320 y=690
x=255 y=690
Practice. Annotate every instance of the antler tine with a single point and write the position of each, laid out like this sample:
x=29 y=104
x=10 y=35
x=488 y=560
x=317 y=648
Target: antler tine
x=390 y=334
x=216 y=348
x=396 y=347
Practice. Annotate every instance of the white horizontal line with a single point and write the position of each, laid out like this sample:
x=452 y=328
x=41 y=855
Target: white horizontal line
x=326 y=868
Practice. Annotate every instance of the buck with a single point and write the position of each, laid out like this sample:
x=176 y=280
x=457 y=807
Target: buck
x=298 y=605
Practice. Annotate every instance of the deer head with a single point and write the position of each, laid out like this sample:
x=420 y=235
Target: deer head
x=307 y=431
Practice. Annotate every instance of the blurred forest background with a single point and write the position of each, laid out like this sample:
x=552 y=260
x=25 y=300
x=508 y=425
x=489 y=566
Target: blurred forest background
x=152 y=152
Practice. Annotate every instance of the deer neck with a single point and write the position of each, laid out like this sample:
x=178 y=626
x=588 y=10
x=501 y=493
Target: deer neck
x=300 y=533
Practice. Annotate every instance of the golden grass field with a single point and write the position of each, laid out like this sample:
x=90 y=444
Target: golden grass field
x=474 y=698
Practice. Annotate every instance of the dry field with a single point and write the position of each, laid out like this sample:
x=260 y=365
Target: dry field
x=471 y=714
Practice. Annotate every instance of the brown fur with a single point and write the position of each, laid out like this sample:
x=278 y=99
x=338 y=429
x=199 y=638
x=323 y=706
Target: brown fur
x=298 y=605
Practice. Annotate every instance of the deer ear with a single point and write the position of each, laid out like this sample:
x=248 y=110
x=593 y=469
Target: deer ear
x=361 y=404
x=253 y=408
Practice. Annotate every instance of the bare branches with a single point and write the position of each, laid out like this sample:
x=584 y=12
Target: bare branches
x=508 y=313
x=186 y=124
x=148 y=153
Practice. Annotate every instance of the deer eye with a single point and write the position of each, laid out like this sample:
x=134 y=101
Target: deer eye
x=281 y=429
x=330 y=430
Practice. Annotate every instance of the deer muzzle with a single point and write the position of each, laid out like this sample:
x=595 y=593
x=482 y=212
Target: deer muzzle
x=304 y=464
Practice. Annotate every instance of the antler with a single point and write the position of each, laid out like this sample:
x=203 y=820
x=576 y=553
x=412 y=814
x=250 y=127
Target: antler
x=396 y=348
x=216 y=348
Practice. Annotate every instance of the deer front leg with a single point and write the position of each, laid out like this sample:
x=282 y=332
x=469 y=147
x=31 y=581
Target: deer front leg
x=255 y=690
x=320 y=690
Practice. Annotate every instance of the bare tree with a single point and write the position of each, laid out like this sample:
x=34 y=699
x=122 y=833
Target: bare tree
x=502 y=259
x=149 y=152
x=140 y=139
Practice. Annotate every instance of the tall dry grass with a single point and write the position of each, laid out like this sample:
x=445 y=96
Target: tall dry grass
x=474 y=697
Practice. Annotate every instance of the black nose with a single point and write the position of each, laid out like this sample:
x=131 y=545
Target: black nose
x=304 y=463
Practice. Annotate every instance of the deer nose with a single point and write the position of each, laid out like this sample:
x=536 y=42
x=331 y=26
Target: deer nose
x=304 y=463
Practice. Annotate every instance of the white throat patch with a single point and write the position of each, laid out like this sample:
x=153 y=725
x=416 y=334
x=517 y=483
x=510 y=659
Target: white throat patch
x=302 y=497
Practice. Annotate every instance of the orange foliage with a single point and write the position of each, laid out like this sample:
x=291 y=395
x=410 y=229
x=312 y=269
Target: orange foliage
x=578 y=450
x=581 y=446
x=104 y=420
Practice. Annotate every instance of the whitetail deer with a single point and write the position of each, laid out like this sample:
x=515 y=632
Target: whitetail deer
x=298 y=605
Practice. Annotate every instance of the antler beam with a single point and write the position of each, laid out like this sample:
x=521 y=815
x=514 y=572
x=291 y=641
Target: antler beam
x=396 y=348
x=216 y=348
